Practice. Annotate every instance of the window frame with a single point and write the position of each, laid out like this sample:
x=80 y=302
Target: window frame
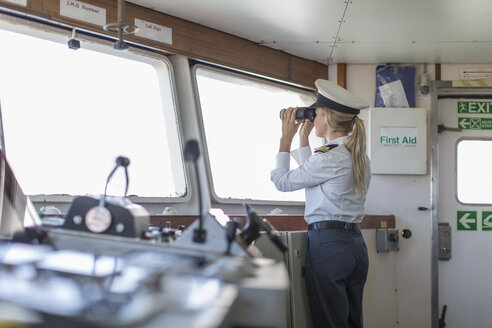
x=251 y=77
x=456 y=169
x=92 y=41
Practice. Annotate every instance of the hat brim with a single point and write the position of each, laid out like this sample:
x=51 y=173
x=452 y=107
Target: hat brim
x=322 y=101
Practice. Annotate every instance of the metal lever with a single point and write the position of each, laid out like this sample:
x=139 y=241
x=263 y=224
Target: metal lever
x=442 y=324
x=231 y=228
x=441 y=128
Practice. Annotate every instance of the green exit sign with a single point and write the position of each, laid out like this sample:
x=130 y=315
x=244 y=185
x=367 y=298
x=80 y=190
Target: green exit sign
x=466 y=220
x=486 y=221
x=475 y=123
x=474 y=107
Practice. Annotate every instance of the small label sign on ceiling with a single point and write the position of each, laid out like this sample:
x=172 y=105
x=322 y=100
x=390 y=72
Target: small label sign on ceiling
x=83 y=11
x=154 y=31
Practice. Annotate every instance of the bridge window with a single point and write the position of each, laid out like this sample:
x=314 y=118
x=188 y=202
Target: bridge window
x=68 y=114
x=242 y=130
x=474 y=176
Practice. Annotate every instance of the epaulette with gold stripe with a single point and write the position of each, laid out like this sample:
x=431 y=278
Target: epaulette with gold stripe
x=325 y=149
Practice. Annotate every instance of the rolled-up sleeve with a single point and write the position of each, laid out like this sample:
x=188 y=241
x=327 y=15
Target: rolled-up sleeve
x=301 y=154
x=314 y=171
x=283 y=161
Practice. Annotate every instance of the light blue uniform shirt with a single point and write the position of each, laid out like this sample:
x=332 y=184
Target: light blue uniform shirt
x=328 y=181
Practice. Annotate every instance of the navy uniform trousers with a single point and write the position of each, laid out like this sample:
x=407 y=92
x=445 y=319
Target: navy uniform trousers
x=335 y=273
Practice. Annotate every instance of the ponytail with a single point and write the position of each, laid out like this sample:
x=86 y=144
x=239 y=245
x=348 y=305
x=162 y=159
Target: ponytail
x=355 y=143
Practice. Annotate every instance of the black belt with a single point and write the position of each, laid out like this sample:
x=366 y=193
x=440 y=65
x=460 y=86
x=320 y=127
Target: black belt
x=333 y=225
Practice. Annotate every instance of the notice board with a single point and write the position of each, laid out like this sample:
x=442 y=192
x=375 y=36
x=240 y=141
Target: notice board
x=398 y=140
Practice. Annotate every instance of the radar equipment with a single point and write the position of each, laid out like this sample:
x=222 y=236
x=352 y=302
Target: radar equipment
x=114 y=216
x=79 y=278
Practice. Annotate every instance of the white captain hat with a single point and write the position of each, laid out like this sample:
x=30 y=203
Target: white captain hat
x=337 y=98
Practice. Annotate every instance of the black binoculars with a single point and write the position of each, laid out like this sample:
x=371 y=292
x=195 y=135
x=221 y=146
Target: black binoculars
x=305 y=113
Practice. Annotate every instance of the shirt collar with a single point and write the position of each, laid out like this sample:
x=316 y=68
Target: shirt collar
x=338 y=141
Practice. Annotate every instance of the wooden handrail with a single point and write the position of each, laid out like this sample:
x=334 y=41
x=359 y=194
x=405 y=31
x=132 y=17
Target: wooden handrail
x=280 y=222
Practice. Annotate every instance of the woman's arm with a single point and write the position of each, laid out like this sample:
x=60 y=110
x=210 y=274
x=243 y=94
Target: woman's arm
x=289 y=128
x=304 y=132
x=316 y=170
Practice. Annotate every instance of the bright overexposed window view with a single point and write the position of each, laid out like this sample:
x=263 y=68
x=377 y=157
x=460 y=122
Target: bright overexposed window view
x=68 y=114
x=243 y=129
x=473 y=171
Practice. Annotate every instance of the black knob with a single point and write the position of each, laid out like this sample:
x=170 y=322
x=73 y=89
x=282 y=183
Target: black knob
x=231 y=229
x=405 y=233
x=191 y=151
x=122 y=161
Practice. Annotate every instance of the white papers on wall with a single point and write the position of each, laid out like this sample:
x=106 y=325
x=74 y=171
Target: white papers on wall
x=393 y=94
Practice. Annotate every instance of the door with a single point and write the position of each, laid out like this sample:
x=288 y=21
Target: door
x=464 y=201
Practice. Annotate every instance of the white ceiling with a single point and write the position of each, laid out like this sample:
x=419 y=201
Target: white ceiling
x=353 y=32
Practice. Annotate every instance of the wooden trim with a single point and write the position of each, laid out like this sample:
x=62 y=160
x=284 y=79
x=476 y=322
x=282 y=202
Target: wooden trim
x=194 y=41
x=280 y=222
x=342 y=75
x=174 y=221
x=437 y=70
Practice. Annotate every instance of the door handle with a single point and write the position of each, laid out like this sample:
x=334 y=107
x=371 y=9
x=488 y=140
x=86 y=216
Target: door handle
x=442 y=324
x=441 y=128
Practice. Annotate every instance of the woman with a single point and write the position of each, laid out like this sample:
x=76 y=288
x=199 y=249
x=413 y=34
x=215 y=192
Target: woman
x=335 y=178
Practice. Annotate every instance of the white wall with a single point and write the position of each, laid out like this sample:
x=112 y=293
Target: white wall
x=407 y=272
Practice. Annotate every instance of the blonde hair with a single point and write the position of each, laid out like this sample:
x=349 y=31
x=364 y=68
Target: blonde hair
x=355 y=143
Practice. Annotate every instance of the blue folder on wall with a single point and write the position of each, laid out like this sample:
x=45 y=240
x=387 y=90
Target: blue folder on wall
x=395 y=86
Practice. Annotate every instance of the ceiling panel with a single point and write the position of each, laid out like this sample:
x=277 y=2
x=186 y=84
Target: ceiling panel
x=376 y=31
x=319 y=52
x=418 y=20
x=444 y=53
x=258 y=21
